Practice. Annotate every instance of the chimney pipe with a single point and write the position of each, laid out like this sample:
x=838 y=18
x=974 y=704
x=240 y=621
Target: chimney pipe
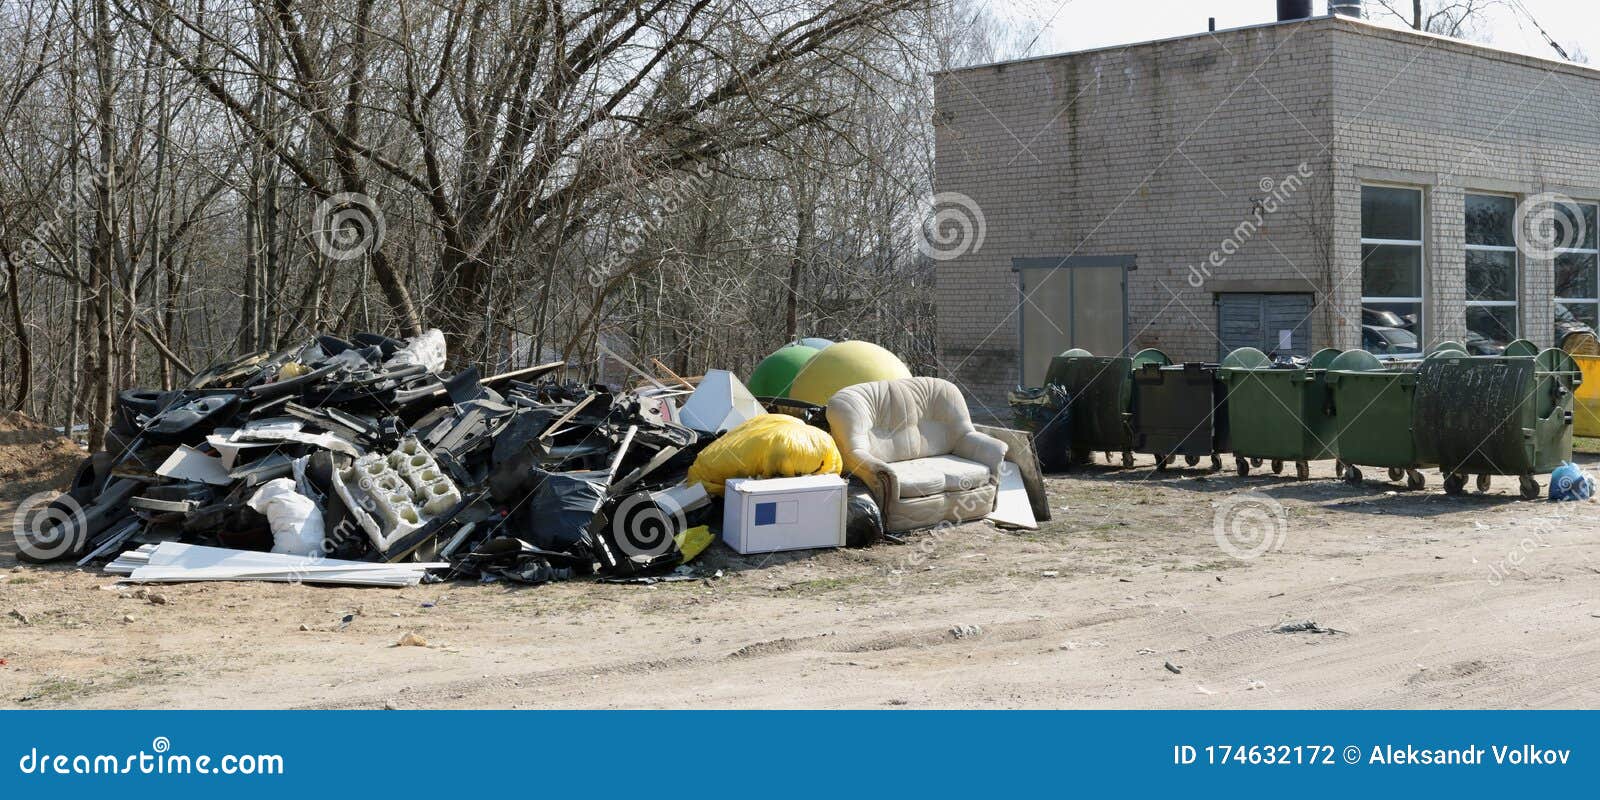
x=1294 y=9
x=1345 y=8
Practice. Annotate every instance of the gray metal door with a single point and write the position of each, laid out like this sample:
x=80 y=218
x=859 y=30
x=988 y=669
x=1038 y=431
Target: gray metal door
x=1079 y=301
x=1275 y=324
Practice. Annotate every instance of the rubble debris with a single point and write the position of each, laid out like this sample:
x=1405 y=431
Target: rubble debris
x=1304 y=626
x=175 y=562
x=296 y=522
x=719 y=403
x=411 y=639
x=363 y=461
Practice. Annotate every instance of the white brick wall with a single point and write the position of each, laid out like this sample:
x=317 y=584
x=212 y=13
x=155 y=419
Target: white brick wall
x=1159 y=150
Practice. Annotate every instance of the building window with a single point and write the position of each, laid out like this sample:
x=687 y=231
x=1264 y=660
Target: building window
x=1391 y=270
x=1577 y=298
x=1491 y=273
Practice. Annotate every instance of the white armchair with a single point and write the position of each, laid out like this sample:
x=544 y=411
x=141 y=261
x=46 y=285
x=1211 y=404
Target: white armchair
x=912 y=442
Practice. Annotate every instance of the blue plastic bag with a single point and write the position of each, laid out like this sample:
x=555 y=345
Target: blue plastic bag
x=1570 y=482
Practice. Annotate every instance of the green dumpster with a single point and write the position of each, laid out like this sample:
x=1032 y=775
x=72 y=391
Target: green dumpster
x=1278 y=414
x=1101 y=392
x=1372 y=410
x=1497 y=415
x=1180 y=410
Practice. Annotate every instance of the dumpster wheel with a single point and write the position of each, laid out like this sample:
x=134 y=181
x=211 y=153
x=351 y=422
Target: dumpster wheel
x=1352 y=474
x=1415 y=480
x=1396 y=473
x=1216 y=462
x=1161 y=462
x=1110 y=459
x=1483 y=483
x=1277 y=466
x=1302 y=471
x=1453 y=484
x=1255 y=462
x=1127 y=458
x=1241 y=466
x=1530 y=487
x=1190 y=461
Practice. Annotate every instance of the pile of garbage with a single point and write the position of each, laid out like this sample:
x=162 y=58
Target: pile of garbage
x=363 y=462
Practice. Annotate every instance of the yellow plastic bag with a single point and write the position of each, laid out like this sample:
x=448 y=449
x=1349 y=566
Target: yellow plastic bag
x=768 y=446
x=694 y=541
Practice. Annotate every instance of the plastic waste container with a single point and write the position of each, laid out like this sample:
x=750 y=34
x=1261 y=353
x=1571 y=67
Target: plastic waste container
x=1180 y=410
x=1372 y=410
x=1277 y=413
x=1586 y=400
x=1101 y=392
x=1044 y=413
x=1497 y=415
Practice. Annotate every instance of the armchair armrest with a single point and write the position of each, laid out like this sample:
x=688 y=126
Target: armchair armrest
x=875 y=473
x=984 y=449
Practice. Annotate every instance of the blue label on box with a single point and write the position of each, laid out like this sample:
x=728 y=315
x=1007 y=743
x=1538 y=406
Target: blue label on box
x=766 y=513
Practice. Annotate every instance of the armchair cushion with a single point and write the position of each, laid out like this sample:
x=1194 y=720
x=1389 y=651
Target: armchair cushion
x=924 y=477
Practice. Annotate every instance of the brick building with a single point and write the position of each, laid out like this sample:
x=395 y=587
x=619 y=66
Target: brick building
x=1291 y=186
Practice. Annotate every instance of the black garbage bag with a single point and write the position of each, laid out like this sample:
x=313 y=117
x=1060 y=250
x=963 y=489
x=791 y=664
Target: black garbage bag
x=863 y=521
x=1043 y=413
x=561 y=512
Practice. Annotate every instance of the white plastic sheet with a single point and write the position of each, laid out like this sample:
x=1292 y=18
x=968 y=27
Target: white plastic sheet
x=296 y=522
x=427 y=350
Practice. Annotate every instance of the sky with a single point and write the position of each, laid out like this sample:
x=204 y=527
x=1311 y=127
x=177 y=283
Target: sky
x=1066 y=25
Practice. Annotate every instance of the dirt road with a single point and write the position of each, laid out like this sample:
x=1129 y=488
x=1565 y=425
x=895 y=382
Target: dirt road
x=1478 y=601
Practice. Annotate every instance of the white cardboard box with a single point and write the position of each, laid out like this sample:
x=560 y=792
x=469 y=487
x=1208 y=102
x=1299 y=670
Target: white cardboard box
x=765 y=516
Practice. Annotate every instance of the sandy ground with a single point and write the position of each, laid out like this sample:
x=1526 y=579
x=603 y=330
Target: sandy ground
x=1478 y=601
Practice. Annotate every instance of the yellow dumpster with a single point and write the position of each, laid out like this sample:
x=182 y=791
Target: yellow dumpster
x=1586 y=398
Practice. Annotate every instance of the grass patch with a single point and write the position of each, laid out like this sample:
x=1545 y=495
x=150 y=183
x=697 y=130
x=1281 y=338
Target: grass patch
x=822 y=585
x=1585 y=444
x=1209 y=566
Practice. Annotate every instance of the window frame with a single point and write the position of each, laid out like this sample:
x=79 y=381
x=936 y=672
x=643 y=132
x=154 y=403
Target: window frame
x=1582 y=251
x=1420 y=244
x=1516 y=259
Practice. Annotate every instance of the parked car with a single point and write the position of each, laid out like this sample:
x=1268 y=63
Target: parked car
x=1381 y=318
x=1385 y=340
